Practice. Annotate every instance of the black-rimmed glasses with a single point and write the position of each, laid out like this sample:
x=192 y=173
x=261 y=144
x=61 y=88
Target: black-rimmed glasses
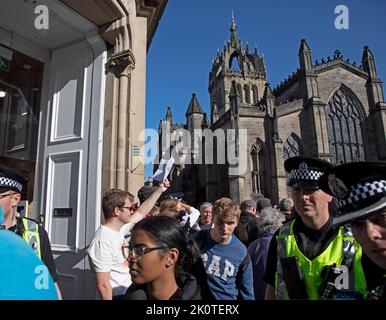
x=138 y=252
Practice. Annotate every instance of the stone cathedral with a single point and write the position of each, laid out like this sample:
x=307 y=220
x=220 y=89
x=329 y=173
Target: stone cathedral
x=331 y=109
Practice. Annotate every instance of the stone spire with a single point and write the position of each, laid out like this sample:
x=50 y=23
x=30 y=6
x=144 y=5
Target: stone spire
x=373 y=84
x=194 y=106
x=234 y=97
x=169 y=116
x=368 y=62
x=305 y=56
x=234 y=38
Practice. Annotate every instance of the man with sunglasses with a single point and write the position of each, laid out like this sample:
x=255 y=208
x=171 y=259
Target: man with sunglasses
x=11 y=184
x=105 y=251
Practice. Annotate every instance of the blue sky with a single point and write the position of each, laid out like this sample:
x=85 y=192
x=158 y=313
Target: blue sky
x=190 y=32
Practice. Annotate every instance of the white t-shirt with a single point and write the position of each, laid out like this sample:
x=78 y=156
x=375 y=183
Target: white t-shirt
x=105 y=252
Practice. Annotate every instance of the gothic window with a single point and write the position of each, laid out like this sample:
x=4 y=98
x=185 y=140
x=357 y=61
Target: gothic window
x=240 y=92
x=344 y=126
x=247 y=94
x=255 y=96
x=259 y=172
x=292 y=147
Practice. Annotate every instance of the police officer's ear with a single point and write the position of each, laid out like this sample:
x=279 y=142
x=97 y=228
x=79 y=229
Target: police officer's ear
x=328 y=197
x=16 y=199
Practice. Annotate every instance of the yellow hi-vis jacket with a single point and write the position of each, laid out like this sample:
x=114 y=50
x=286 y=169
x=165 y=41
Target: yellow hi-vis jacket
x=343 y=244
x=31 y=235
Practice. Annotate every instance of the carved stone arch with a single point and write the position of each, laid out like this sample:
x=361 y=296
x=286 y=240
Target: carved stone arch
x=292 y=146
x=345 y=119
x=344 y=88
x=234 y=55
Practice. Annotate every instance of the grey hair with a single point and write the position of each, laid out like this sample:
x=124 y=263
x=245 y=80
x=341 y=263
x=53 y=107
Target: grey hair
x=205 y=205
x=270 y=219
x=286 y=204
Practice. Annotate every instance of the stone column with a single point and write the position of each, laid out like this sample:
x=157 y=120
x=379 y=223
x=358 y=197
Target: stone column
x=121 y=65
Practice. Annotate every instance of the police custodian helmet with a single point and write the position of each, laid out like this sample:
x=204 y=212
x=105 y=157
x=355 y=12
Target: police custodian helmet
x=304 y=172
x=11 y=179
x=359 y=187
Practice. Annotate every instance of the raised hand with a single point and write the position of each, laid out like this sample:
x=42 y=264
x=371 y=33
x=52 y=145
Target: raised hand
x=165 y=185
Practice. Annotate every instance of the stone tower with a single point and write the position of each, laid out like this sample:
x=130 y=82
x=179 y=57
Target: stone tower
x=235 y=63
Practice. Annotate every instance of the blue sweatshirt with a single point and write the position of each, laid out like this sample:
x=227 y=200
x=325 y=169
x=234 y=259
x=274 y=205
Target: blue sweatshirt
x=221 y=262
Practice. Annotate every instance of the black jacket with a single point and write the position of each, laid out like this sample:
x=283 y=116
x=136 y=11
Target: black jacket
x=188 y=289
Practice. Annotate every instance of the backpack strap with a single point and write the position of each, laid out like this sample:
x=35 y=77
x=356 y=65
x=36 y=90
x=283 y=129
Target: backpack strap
x=244 y=263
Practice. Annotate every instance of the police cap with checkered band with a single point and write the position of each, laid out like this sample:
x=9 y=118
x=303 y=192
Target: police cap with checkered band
x=359 y=187
x=11 y=179
x=304 y=172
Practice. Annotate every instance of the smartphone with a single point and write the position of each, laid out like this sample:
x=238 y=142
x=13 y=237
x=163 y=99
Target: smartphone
x=293 y=278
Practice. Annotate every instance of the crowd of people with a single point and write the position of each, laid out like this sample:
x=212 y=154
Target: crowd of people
x=327 y=240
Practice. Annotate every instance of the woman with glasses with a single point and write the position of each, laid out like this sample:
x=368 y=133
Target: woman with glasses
x=162 y=261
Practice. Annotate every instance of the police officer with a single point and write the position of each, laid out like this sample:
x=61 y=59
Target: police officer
x=360 y=188
x=23 y=275
x=11 y=184
x=307 y=245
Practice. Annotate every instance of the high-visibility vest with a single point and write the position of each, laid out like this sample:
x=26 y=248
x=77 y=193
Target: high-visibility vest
x=31 y=235
x=342 y=247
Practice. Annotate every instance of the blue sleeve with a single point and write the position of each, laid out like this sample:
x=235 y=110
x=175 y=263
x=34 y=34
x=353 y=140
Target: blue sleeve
x=244 y=283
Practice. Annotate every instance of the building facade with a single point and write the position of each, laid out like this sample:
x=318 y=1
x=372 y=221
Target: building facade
x=332 y=109
x=72 y=99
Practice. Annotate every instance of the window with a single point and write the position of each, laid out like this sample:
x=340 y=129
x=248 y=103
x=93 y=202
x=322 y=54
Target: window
x=260 y=170
x=240 y=92
x=292 y=147
x=255 y=96
x=247 y=94
x=344 y=119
